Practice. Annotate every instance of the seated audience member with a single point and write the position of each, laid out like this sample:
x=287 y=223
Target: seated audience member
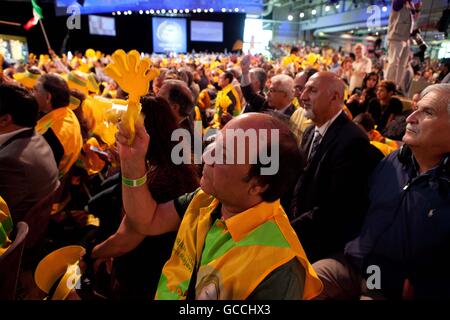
x=387 y=107
x=280 y=94
x=139 y=259
x=360 y=101
x=28 y=171
x=227 y=99
x=405 y=233
x=220 y=227
x=258 y=78
x=180 y=98
x=338 y=169
x=59 y=124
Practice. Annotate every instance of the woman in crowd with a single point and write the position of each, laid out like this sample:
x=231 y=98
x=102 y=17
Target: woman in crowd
x=360 y=100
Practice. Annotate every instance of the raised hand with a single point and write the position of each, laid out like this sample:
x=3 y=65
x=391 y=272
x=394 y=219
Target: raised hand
x=133 y=75
x=245 y=63
x=133 y=156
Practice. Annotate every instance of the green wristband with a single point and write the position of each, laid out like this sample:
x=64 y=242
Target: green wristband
x=134 y=182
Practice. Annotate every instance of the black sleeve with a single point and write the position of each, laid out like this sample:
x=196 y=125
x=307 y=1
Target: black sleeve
x=328 y=225
x=182 y=202
x=254 y=99
x=55 y=145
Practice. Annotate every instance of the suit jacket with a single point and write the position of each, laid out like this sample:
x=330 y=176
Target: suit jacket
x=28 y=172
x=256 y=102
x=330 y=197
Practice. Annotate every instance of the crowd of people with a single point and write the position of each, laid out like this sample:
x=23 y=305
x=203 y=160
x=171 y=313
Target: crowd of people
x=363 y=177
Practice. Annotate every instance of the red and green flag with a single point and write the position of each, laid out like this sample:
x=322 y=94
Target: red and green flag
x=37 y=14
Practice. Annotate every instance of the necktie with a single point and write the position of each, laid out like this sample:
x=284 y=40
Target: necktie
x=315 y=144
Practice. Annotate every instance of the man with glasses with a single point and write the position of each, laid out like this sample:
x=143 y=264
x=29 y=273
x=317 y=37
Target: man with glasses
x=405 y=233
x=279 y=96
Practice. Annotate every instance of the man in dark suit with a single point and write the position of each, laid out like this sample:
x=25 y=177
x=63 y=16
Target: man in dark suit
x=331 y=195
x=279 y=97
x=28 y=170
x=258 y=78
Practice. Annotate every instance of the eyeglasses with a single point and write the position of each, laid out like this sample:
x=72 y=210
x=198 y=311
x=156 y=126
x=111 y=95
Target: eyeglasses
x=272 y=90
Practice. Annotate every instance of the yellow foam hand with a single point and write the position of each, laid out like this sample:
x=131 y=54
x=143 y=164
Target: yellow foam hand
x=133 y=75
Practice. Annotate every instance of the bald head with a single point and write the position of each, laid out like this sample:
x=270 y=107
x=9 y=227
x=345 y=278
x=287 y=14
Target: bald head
x=323 y=97
x=331 y=82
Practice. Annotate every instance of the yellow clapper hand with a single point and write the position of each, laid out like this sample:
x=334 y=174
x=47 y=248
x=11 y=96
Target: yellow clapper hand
x=133 y=75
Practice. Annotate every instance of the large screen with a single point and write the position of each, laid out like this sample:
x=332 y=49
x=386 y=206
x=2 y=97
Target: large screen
x=169 y=35
x=207 y=31
x=102 y=26
x=13 y=48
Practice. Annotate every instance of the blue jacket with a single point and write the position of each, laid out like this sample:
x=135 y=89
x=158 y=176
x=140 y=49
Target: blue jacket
x=407 y=229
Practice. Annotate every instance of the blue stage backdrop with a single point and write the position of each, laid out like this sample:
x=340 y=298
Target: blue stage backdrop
x=169 y=35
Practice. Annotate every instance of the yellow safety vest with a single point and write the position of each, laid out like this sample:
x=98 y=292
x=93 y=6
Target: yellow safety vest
x=66 y=127
x=6 y=226
x=233 y=256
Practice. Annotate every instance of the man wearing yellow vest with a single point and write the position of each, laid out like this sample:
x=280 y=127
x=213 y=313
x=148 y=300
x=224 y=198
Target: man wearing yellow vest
x=234 y=240
x=59 y=125
x=227 y=100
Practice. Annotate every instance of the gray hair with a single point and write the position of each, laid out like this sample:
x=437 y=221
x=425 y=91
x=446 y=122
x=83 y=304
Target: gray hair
x=443 y=91
x=286 y=82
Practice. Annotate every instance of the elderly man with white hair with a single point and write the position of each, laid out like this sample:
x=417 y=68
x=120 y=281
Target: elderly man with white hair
x=402 y=250
x=279 y=97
